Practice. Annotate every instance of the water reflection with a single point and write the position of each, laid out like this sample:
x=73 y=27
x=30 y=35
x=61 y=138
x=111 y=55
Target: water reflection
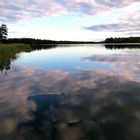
x=11 y=53
x=126 y=65
x=58 y=104
x=123 y=46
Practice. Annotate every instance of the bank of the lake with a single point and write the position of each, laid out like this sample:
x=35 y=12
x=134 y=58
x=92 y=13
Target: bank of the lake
x=9 y=52
x=16 y=47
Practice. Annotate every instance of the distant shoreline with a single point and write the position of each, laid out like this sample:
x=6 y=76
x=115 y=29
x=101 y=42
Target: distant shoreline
x=31 y=41
x=110 y=43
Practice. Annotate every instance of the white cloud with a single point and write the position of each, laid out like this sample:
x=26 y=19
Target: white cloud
x=16 y=10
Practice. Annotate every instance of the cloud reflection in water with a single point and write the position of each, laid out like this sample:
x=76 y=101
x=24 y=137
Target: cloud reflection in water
x=51 y=105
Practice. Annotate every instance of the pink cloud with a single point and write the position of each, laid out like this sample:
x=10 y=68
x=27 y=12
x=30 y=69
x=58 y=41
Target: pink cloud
x=16 y=10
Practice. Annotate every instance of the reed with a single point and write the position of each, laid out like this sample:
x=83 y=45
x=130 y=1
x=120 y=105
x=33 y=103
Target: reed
x=9 y=52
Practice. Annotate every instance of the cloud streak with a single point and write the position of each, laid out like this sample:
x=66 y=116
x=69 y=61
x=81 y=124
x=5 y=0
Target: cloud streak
x=116 y=27
x=26 y=9
x=129 y=24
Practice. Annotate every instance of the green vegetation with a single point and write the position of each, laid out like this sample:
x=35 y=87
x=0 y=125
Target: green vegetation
x=3 y=32
x=120 y=43
x=15 y=47
x=123 y=40
x=43 y=41
x=8 y=52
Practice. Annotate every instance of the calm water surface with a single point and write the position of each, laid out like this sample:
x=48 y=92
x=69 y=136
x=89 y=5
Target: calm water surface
x=71 y=92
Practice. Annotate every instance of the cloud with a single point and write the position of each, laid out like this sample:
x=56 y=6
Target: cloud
x=16 y=10
x=127 y=24
x=116 y=27
x=20 y=10
x=137 y=33
x=125 y=13
x=108 y=27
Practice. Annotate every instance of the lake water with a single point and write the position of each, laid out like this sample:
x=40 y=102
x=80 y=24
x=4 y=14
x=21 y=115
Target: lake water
x=71 y=92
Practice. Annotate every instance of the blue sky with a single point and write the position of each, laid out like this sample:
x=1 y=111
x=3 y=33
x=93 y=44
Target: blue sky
x=71 y=19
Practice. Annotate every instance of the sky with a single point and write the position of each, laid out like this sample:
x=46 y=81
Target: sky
x=87 y=20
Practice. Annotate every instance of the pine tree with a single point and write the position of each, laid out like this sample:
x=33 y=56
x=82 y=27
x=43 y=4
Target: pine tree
x=3 y=32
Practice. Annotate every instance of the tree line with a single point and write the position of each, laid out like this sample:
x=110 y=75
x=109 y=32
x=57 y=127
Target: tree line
x=33 y=41
x=123 y=40
x=4 y=39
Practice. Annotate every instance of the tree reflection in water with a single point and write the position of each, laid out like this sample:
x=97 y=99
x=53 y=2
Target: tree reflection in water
x=9 y=53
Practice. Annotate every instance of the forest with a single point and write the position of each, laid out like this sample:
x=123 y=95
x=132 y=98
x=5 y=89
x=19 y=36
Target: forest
x=4 y=39
x=123 y=40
